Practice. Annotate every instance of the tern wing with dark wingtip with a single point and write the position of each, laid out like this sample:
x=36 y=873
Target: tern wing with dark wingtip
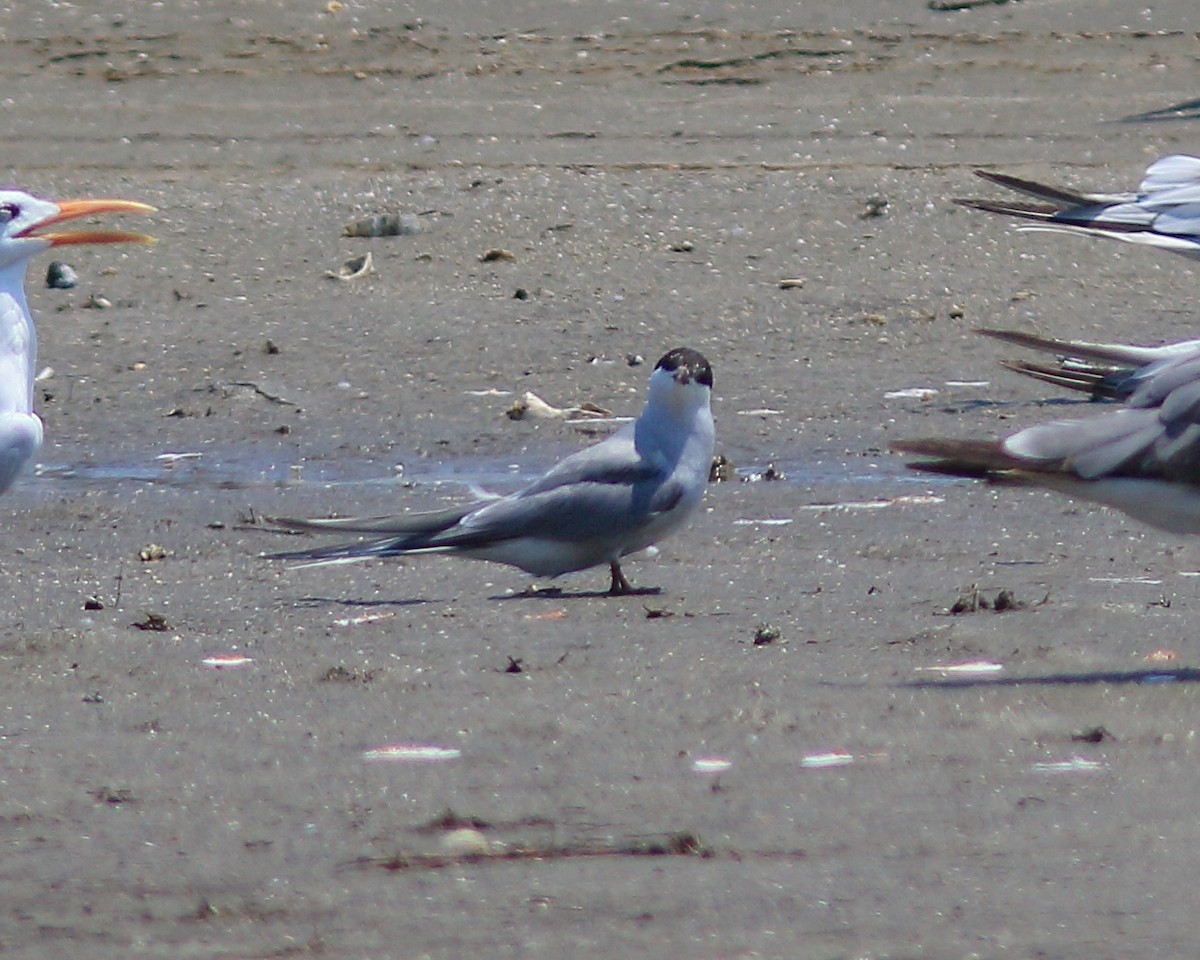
x=1163 y=213
x=1143 y=458
x=1056 y=196
x=1105 y=371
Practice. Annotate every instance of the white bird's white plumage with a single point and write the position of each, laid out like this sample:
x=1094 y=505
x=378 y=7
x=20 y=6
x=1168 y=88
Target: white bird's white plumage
x=1164 y=212
x=20 y=215
x=595 y=507
x=1143 y=458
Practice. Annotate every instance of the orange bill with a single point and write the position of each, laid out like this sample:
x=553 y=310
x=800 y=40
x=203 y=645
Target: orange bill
x=74 y=209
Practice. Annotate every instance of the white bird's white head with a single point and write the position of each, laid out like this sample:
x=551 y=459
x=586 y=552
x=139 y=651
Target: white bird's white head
x=24 y=231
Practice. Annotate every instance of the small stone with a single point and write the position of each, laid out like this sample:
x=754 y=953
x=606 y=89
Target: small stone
x=155 y=622
x=384 y=225
x=875 y=207
x=721 y=470
x=59 y=276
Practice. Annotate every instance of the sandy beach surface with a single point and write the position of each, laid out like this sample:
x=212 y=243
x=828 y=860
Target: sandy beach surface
x=206 y=754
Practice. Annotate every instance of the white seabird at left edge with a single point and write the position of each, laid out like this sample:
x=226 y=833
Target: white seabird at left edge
x=595 y=507
x=20 y=216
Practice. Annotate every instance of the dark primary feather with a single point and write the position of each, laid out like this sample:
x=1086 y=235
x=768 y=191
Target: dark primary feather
x=958 y=458
x=1010 y=208
x=1055 y=195
x=1099 y=383
x=1117 y=355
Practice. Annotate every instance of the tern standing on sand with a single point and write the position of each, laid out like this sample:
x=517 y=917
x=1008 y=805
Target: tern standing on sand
x=595 y=507
x=20 y=216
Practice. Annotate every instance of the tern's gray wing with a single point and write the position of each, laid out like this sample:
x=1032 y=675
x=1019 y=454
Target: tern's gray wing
x=577 y=513
x=1156 y=435
x=1174 y=174
x=604 y=491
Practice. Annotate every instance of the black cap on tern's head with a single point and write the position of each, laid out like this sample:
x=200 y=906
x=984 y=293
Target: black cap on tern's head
x=685 y=365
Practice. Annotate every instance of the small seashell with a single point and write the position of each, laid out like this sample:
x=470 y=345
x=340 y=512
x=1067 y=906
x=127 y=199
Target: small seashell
x=497 y=253
x=973 y=668
x=466 y=842
x=150 y=552
x=59 y=276
x=96 y=302
x=1071 y=765
x=353 y=268
x=412 y=753
x=384 y=225
x=223 y=660
x=821 y=761
x=793 y=283
x=531 y=405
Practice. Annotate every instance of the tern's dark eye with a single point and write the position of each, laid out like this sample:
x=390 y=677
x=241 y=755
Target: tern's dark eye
x=9 y=212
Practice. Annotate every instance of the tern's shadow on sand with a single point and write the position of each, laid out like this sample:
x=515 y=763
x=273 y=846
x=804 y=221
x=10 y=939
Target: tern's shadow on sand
x=558 y=593
x=1187 y=110
x=348 y=602
x=1149 y=677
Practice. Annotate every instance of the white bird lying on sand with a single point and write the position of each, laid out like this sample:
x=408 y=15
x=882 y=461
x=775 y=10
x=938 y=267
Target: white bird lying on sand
x=596 y=506
x=20 y=216
x=1164 y=213
x=1143 y=459
x=1105 y=371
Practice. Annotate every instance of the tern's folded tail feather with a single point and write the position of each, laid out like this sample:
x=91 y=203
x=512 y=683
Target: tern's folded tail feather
x=409 y=533
x=1010 y=208
x=427 y=522
x=1099 y=384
